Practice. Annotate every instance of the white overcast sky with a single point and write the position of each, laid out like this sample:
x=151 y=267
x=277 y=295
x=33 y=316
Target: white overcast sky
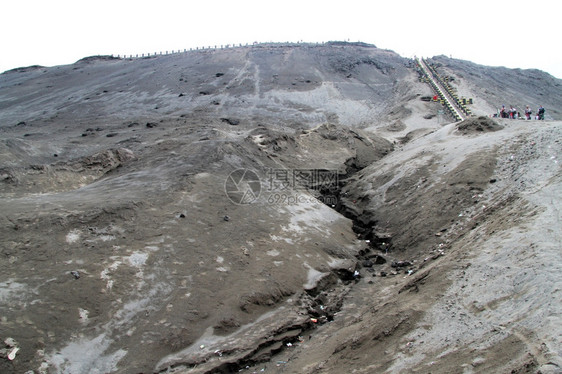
x=516 y=34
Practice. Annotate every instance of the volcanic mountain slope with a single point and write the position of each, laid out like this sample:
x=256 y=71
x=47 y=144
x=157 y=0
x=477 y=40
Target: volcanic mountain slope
x=278 y=208
x=251 y=83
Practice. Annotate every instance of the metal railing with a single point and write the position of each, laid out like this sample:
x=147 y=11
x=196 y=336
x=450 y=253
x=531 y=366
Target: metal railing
x=447 y=95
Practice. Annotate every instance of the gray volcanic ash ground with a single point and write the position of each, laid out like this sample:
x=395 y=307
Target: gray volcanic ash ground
x=277 y=208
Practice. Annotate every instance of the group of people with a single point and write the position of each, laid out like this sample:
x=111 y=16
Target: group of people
x=512 y=113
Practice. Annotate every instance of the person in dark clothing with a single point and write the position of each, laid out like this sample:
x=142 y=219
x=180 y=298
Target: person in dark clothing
x=540 y=113
x=503 y=112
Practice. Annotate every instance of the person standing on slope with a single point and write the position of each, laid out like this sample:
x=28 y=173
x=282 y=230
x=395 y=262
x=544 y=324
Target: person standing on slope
x=528 y=112
x=503 y=112
x=540 y=113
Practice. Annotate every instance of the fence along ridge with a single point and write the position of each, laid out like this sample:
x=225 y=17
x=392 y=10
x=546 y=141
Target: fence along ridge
x=215 y=47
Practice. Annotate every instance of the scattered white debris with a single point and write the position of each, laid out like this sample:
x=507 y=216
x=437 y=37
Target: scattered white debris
x=44 y=368
x=12 y=354
x=73 y=236
x=138 y=259
x=106 y=238
x=273 y=253
x=83 y=313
